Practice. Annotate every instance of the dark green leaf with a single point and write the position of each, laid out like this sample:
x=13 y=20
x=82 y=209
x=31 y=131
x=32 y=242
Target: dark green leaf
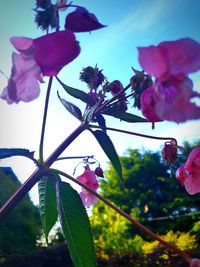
x=77 y=93
x=109 y=149
x=73 y=109
x=101 y=121
x=47 y=204
x=75 y=226
x=10 y=152
x=125 y=116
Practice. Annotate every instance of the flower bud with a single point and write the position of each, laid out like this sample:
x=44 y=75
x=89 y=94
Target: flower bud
x=99 y=172
x=169 y=152
x=195 y=263
x=115 y=87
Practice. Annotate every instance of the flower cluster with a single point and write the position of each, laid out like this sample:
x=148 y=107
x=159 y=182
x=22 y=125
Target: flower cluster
x=48 y=54
x=169 y=97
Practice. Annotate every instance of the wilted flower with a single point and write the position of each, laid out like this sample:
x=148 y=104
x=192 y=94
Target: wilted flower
x=189 y=173
x=169 y=152
x=92 y=76
x=170 y=63
x=45 y=55
x=88 y=178
x=82 y=21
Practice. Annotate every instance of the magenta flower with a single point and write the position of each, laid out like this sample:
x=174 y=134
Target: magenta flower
x=46 y=55
x=88 y=178
x=81 y=20
x=170 y=63
x=189 y=173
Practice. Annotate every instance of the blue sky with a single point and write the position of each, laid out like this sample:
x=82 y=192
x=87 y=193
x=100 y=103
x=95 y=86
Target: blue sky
x=114 y=48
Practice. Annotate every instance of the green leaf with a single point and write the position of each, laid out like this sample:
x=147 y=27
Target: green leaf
x=75 y=226
x=101 y=121
x=77 y=93
x=47 y=204
x=125 y=116
x=10 y=152
x=109 y=149
x=73 y=109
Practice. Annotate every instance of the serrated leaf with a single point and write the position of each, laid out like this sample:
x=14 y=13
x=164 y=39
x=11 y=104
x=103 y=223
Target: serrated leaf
x=10 y=152
x=125 y=116
x=73 y=109
x=109 y=149
x=75 y=225
x=77 y=93
x=47 y=204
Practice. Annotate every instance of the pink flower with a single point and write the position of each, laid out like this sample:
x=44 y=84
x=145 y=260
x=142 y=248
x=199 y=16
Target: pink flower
x=170 y=100
x=195 y=263
x=189 y=173
x=46 y=55
x=82 y=21
x=88 y=178
x=170 y=62
x=169 y=152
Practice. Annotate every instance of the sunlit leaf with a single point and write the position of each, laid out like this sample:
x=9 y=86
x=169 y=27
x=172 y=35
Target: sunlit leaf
x=47 y=204
x=109 y=149
x=73 y=109
x=77 y=93
x=75 y=226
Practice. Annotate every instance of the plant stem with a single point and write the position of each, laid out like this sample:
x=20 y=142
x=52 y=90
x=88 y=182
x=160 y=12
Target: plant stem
x=129 y=218
x=134 y=133
x=41 y=159
x=37 y=175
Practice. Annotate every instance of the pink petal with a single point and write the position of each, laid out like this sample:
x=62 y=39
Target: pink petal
x=55 y=50
x=148 y=102
x=21 y=43
x=82 y=21
x=152 y=61
x=23 y=83
x=182 y=56
x=193 y=158
x=181 y=174
x=175 y=94
x=192 y=186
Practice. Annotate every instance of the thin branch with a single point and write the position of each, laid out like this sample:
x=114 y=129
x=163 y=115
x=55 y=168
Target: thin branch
x=136 y=134
x=129 y=218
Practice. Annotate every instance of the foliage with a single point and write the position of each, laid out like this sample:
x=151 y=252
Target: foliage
x=21 y=229
x=109 y=229
x=160 y=200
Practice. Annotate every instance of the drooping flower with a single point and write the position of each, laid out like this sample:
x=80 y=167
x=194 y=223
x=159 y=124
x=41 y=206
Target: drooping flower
x=45 y=55
x=189 y=173
x=88 y=178
x=169 y=152
x=169 y=98
x=81 y=20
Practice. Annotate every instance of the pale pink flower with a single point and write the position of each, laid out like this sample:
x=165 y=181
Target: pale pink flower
x=88 y=178
x=169 y=98
x=195 y=263
x=189 y=173
x=45 y=55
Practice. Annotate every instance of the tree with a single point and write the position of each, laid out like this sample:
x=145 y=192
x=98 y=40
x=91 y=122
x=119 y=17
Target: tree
x=159 y=201
x=21 y=228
